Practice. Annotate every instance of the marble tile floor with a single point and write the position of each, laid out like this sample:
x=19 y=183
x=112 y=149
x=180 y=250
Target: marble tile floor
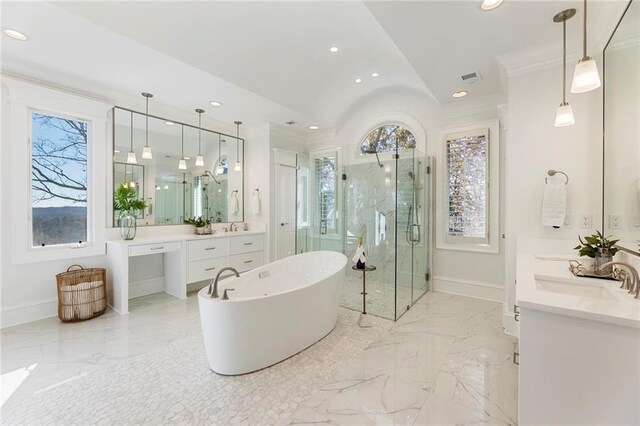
x=445 y=361
x=380 y=297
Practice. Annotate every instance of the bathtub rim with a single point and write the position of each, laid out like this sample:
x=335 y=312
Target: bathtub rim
x=203 y=293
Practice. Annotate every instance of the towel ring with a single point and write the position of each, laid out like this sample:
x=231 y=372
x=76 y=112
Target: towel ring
x=256 y=190
x=234 y=191
x=553 y=173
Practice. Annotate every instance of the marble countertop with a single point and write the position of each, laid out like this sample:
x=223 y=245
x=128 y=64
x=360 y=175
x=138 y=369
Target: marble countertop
x=622 y=309
x=181 y=237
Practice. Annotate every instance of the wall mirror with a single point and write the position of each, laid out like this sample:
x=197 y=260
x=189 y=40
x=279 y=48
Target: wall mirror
x=621 y=195
x=213 y=191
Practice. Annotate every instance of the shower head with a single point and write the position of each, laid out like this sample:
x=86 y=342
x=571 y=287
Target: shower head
x=207 y=173
x=371 y=149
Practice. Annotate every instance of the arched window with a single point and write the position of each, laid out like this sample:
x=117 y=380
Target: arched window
x=386 y=138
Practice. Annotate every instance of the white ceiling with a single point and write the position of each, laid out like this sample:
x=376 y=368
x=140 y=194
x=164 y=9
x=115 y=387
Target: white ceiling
x=271 y=60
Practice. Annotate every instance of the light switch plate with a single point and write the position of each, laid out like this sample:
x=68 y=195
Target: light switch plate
x=586 y=220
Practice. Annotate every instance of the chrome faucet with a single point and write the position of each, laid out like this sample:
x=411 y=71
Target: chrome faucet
x=214 y=283
x=635 y=284
x=231 y=229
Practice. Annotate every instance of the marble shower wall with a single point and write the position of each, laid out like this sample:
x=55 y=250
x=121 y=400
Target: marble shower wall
x=370 y=210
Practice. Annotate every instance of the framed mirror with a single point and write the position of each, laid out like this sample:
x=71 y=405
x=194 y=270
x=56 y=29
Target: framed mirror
x=621 y=192
x=174 y=194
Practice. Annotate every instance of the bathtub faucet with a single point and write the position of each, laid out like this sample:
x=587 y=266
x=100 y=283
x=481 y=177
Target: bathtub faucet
x=214 y=283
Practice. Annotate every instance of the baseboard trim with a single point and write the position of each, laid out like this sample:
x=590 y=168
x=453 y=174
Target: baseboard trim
x=146 y=287
x=510 y=324
x=49 y=308
x=477 y=289
x=27 y=313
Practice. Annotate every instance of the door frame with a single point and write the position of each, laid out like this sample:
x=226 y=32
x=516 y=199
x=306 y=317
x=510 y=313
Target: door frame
x=280 y=158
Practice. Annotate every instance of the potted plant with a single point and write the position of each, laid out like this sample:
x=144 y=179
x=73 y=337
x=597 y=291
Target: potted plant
x=600 y=248
x=199 y=223
x=126 y=201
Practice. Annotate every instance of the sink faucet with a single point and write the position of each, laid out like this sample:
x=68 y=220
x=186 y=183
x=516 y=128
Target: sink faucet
x=635 y=284
x=214 y=283
x=231 y=228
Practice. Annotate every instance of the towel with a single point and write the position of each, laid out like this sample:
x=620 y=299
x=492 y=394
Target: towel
x=235 y=203
x=554 y=204
x=255 y=202
x=359 y=255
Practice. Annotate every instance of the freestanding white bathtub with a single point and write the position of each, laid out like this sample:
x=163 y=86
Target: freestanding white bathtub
x=274 y=312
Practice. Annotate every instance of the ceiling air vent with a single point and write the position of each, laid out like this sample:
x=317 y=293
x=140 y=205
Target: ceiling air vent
x=290 y=123
x=471 y=77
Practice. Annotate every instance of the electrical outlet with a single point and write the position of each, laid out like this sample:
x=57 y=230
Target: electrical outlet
x=615 y=221
x=586 y=220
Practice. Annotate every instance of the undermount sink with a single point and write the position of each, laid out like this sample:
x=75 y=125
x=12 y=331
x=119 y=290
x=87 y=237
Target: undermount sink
x=582 y=287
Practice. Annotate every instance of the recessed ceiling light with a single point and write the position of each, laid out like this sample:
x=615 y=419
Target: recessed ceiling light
x=314 y=127
x=374 y=75
x=216 y=104
x=333 y=49
x=490 y=4
x=116 y=151
x=358 y=80
x=460 y=94
x=15 y=34
x=169 y=123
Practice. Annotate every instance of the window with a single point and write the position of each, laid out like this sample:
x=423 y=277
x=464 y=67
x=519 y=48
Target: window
x=385 y=138
x=58 y=180
x=326 y=184
x=467 y=180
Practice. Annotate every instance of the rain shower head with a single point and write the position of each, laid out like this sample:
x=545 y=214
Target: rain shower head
x=371 y=149
x=207 y=173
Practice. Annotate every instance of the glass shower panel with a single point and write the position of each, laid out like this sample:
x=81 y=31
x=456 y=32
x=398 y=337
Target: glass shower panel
x=407 y=229
x=369 y=212
x=420 y=243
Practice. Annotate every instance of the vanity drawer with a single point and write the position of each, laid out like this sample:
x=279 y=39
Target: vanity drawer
x=244 y=262
x=246 y=243
x=207 y=248
x=205 y=269
x=145 y=249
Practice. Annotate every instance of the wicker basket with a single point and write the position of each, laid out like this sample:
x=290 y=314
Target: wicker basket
x=82 y=293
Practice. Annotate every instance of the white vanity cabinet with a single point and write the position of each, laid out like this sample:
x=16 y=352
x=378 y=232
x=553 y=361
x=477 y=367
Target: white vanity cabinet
x=187 y=259
x=579 y=356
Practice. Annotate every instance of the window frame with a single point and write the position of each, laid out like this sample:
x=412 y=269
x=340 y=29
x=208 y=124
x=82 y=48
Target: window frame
x=19 y=99
x=333 y=231
x=479 y=132
x=470 y=244
x=89 y=169
x=398 y=149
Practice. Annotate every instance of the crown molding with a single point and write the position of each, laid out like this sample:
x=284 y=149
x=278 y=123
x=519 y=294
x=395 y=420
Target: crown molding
x=474 y=105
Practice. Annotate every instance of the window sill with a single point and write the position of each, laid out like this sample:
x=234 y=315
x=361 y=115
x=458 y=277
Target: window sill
x=59 y=253
x=475 y=248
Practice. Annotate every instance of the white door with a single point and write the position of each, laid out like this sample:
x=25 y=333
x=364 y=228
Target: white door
x=286 y=211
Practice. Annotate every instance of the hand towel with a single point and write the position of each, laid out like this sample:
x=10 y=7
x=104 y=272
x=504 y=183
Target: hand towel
x=255 y=202
x=554 y=204
x=235 y=203
x=359 y=255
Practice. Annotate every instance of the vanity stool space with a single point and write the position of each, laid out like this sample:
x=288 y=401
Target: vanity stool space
x=187 y=259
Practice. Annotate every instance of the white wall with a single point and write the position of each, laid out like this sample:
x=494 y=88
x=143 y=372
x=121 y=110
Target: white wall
x=534 y=146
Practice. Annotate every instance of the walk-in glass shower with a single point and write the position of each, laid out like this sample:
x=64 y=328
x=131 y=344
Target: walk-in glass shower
x=378 y=190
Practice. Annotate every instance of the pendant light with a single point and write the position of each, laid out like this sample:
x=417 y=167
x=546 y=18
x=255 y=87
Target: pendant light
x=219 y=168
x=238 y=166
x=131 y=156
x=564 y=116
x=199 y=157
x=585 y=76
x=182 y=164
x=146 y=151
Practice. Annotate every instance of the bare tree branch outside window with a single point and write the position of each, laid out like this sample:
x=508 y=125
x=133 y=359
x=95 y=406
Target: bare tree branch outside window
x=58 y=180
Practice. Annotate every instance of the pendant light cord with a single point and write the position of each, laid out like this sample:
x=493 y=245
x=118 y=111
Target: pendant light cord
x=237 y=141
x=199 y=131
x=146 y=141
x=182 y=149
x=584 y=33
x=131 y=150
x=564 y=62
